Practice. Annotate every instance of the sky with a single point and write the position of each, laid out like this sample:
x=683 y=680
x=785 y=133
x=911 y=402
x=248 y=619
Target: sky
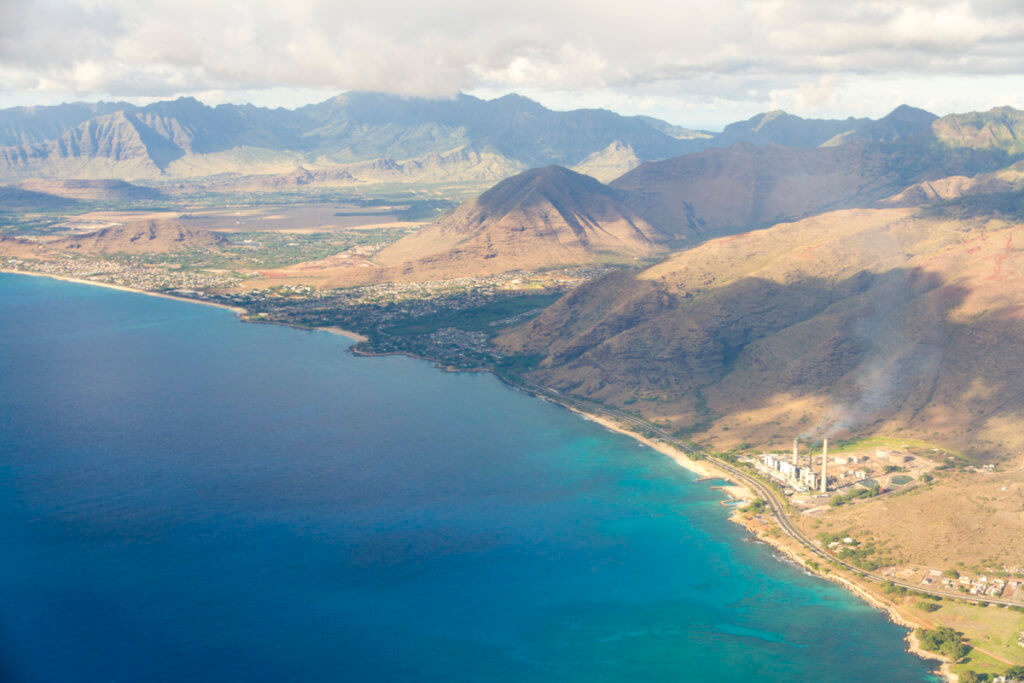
x=698 y=64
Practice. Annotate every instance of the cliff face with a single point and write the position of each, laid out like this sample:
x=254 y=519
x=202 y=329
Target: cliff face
x=853 y=321
x=104 y=146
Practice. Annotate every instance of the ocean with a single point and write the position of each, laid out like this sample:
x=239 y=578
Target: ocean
x=186 y=497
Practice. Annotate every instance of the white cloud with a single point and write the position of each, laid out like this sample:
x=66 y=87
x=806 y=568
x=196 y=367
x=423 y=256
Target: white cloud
x=807 y=56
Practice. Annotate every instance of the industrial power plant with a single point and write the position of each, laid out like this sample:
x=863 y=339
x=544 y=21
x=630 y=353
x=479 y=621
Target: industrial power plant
x=793 y=473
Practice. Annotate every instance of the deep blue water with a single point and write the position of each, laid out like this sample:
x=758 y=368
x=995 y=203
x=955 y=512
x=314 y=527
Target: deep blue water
x=184 y=497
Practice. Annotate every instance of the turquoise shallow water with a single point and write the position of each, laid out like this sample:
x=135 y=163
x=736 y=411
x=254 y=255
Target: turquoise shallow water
x=184 y=497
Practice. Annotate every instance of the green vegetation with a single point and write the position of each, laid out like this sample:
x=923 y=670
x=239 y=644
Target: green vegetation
x=916 y=446
x=928 y=606
x=705 y=416
x=489 y=317
x=425 y=210
x=843 y=499
x=943 y=640
x=267 y=250
x=889 y=588
x=1009 y=205
x=984 y=666
x=755 y=507
x=865 y=556
x=827 y=537
x=1015 y=672
x=513 y=366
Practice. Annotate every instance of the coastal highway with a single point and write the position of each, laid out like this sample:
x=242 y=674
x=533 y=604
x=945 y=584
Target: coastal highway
x=771 y=497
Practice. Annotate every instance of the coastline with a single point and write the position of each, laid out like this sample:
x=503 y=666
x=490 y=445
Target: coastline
x=736 y=490
x=891 y=611
x=703 y=469
x=345 y=333
x=63 y=278
x=242 y=313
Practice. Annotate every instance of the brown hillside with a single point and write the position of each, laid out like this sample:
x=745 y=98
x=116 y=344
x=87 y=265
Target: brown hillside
x=541 y=218
x=852 y=321
x=152 y=236
x=609 y=163
x=724 y=191
x=719 y=191
x=1009 y=179
x=464 y=164
x=107 y=190
x=18 y=247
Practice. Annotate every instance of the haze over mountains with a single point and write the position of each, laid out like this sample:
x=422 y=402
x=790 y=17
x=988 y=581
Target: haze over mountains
x=376 y=137
x=185 y=138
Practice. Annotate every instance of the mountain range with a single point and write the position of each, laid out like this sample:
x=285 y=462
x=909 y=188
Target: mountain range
x=185 y=138
x=373 y=137
x=553 y=216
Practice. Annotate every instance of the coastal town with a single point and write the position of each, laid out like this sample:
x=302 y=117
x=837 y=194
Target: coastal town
x=122 y=274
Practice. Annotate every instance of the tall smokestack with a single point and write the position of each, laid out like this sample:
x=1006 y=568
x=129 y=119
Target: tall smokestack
x=824 y=467
x=796 y=447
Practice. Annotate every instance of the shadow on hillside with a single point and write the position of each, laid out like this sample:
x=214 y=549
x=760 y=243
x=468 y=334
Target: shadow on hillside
x=876 y=345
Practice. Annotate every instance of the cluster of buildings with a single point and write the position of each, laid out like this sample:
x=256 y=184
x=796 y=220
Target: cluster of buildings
x=147 y=278
x=980 y=586
x=792 y=472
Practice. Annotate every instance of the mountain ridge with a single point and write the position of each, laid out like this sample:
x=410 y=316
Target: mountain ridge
x=186 y=139
x=851 y=322
x=538 y=219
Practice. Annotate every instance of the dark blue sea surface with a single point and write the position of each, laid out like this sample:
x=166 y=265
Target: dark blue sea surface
x=185 y=497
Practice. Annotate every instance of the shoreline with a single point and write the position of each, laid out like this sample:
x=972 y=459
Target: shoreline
x=703 y=469
x=738 y=491
x=408 y=354
x=344 y=333
x=239 y=311
x=891 y=611
x=243 y=314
